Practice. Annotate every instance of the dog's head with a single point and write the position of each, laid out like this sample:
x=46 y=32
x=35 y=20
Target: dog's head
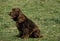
x=17 y=15
x=14 y=13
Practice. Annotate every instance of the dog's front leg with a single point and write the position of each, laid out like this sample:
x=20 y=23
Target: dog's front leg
x=25 y=33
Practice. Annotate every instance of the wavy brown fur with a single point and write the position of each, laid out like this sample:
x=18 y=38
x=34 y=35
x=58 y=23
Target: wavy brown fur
x=25 y=26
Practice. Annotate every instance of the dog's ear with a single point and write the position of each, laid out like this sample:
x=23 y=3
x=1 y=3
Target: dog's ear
x=21 y=18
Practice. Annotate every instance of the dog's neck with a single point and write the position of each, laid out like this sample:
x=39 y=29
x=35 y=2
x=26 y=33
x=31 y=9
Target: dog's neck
x=20 y=18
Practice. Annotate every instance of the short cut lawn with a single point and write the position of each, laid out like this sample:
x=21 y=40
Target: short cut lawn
x=45 y=13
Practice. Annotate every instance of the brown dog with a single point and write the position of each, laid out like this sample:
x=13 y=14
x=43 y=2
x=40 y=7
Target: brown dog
x=25 y=26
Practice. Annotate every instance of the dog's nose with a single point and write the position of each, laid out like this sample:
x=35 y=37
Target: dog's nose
x=9 y=13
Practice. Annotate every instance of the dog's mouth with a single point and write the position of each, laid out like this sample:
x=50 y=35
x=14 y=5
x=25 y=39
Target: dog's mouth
x=14 y=18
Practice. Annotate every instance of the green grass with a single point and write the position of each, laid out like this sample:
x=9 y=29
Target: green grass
x=45 y=13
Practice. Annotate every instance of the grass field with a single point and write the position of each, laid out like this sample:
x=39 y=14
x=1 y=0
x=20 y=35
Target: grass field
x=45 y=13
